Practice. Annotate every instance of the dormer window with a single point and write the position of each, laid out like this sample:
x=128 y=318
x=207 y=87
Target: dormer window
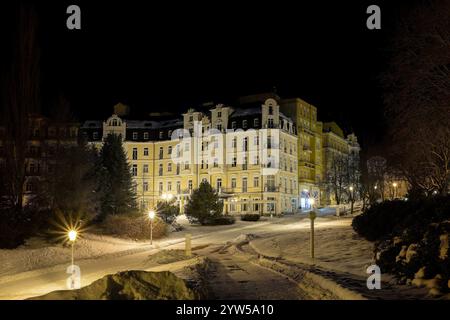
x=114 y=123
x=135 y=135
x=161 y=134
x=219 y=114
x=233 y=125
x=145 y=135
x=270 y=110
x=256 y=122
x=244 y=124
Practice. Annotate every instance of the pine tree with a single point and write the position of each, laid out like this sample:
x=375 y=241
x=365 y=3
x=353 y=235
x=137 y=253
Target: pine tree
x=117 y=191
x=204 y=204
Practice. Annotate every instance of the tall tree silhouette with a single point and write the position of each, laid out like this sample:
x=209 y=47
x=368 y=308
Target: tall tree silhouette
x=21 y=99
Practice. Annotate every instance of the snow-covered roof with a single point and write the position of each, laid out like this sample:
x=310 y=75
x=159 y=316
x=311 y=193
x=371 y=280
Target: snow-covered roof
x=245 y=112
x=92 y=124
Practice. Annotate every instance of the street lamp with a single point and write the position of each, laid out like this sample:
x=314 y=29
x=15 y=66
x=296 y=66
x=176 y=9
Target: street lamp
x=151 y=216
x=167 y=196
x=395 y=189
x=72 y=235
x=311 y=202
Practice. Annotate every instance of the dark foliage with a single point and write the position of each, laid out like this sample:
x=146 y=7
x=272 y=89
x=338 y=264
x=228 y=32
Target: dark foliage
x=17 y=226
x=221 y=220
x=116 y=188
x=250 y=217
x=394 y=217
x=204 y=206
x=167 y=211
x=412 y=236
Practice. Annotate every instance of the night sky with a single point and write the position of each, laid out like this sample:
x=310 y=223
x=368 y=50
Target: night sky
x=172 y=56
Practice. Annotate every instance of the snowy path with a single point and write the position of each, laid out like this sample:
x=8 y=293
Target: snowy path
x=236 y=277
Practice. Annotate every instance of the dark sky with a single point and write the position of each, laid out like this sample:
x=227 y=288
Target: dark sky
x=169 y=56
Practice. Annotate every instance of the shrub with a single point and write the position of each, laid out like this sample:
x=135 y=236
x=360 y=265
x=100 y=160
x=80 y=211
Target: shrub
x=221 y=220
x=394 y=217
x=250 y=217
x=16 y=227
x=133 y=226
x=411 y=236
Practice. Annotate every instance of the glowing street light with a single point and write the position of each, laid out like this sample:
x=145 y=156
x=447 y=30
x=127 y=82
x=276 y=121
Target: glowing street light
x=167 y=196
x=351 y=188
x=395 y=189
x=72 y=235
x=312 y=201
x=151 y=216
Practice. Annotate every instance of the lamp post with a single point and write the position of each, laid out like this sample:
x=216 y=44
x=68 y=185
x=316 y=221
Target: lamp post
x=351 y=199
x=151 y=216
x=312 y=217
x=72 y=235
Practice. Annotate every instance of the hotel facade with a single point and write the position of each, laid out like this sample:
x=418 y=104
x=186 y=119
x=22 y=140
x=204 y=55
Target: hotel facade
x=266 y=156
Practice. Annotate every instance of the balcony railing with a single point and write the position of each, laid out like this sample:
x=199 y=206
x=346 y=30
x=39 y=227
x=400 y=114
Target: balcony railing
x=268 y=188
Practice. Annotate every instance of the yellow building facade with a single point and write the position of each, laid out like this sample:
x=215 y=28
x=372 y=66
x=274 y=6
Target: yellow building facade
x=248 y=155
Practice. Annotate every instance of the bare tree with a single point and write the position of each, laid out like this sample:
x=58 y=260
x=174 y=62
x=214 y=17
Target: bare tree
x=336 y=178
x=418 y=98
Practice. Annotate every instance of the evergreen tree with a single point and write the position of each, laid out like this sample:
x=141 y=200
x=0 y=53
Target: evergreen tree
x=70 y=187
x=204 y=204
x=168 y=211
x=117 y=191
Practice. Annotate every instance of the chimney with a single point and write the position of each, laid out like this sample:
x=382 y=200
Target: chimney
x=121 y=109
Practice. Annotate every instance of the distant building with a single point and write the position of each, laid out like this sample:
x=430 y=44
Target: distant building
x=46 y=138
x=335 y=144
x=268 y=155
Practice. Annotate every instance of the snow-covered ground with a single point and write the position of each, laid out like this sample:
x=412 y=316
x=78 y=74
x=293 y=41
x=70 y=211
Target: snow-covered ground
x=37 y=253
x=340 y=261
x=341 y=256
x=337 y=246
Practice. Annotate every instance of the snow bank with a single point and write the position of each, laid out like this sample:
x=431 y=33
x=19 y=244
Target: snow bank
x=129 y=285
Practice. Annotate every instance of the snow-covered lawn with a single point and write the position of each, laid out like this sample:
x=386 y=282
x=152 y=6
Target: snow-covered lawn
x=341 y=259
x=38 y=253
x=337 y=246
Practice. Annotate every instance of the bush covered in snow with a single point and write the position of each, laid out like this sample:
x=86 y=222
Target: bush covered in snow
x=383 y=219
x=413 y=243
x=133 y=226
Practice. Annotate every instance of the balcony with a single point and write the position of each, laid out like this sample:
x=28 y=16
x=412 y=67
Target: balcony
x=269 y=188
